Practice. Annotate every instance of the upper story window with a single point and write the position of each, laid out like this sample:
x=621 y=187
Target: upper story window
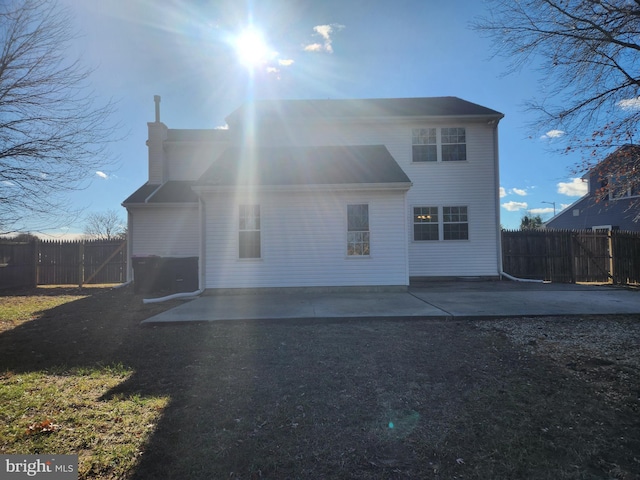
x=249 y=231
x=425 y=148
x=454 y=144
x=358 y=230
x=614 y=187
x=449 y=146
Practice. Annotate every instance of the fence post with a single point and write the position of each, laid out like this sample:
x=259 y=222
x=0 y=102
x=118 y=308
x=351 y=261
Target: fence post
x=80 y=264
x=572 y=253
x=610 y=254
x=35 y=258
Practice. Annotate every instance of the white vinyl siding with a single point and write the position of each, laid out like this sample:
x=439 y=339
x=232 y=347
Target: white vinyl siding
x=304 y=238
x=165 y=231
x=471 y=183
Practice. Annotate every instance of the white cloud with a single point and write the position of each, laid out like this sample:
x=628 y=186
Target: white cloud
x=222 y=127
x=503 y=192
x=314 y=47
x=629 y=104
x=553 y=134
x=519 y=191
x=272 y=70
x=285 y=62
x=564 y=205
x=541 y=211
x=515 y=206
x=325 y=32
x=574 y=188
x=102 y=175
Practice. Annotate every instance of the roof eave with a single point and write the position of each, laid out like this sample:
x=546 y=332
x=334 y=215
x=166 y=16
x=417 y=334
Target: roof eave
x=399 y=186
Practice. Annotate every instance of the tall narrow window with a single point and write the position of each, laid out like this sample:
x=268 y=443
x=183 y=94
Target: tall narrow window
x=454 y=144
x=249 y=231
x=358 y=230
x=425 y=148
x=455 y=223
x=425 y=223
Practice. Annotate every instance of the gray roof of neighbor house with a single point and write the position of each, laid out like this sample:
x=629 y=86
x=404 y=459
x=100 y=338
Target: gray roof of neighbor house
x=373 y=107
x=174 y=191
x=320 y=165
x=589 y=211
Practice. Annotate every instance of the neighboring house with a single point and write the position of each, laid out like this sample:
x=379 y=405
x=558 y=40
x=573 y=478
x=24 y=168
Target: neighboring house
x=611 y=202
x=326 y=193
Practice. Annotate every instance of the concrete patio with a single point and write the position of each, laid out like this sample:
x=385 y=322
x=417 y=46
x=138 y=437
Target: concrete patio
x=433 y=300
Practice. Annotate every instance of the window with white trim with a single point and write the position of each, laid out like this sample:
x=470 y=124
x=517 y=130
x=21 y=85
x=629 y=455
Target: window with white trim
x=358 y=230
x=449 y=146
x=425 y=148
x=249 y=231
x=454 y=144
x=455 y=223
x=440 y=223
x=425 y=223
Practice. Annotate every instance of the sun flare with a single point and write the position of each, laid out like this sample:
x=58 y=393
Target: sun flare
x=251 y=48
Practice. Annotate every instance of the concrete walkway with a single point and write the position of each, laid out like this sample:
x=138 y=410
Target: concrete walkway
x=437 y=300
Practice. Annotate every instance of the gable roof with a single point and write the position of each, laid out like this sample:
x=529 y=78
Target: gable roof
x=359 y=108
x=174 y=191
x=288 y=166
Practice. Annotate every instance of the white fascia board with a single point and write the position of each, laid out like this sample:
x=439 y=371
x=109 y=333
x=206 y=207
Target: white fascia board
x=440 y=119
x=192 y=205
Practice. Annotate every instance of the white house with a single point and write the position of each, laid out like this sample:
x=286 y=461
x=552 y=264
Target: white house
x=326 y=193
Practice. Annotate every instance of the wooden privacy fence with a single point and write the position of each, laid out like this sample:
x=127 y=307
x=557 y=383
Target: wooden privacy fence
x=572 y=256
x=51 y=262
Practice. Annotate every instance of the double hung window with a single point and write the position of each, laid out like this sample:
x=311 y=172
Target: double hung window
x=449 y=146
x=440 y=223
x=358 y=230
x=249 y=231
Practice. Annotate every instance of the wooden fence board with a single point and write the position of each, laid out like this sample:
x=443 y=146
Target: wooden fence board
x=17 y=267
x=572 y=256
x=54 y=262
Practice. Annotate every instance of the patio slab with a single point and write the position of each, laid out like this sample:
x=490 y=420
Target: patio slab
x=442 y=300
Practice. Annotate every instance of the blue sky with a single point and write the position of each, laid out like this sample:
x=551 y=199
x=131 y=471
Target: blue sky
x=185 y=52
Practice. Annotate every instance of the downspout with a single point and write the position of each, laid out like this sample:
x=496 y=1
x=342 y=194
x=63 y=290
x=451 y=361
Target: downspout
x=496 y=170
x=201 y=264
x=181 y=295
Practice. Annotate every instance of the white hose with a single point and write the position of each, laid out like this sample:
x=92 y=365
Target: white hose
x=515 y=279
x=173 y=296
x=124 y=284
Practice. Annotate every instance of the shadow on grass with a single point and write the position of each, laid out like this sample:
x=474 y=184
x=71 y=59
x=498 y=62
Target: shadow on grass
x=367 y=400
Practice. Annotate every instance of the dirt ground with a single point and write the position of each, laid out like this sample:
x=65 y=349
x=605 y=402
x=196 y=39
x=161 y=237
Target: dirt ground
x=384 y=399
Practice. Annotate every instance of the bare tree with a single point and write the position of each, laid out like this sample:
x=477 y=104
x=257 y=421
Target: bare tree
x=106 y=225
x=588 y=55
x=53 y=131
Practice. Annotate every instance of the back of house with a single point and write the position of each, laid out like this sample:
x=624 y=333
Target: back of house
x=326 y=193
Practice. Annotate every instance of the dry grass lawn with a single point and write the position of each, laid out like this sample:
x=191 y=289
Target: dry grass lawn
x=521 y=398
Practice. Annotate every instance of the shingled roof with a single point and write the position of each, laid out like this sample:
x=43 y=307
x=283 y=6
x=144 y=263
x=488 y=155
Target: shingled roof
x=286 y=166
x=372 y=107
x=174 y=191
